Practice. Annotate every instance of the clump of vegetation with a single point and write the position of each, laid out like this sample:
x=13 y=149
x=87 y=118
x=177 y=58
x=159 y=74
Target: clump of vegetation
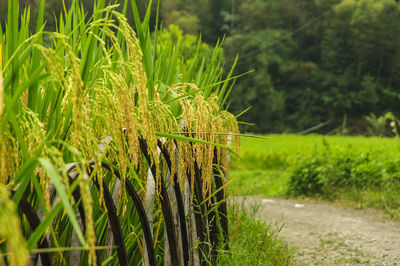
x=253 y=242
x=377 y=125
x=331 y=172
x=103 y=131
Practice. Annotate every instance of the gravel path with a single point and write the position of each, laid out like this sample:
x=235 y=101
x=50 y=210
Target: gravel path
x=326 y=235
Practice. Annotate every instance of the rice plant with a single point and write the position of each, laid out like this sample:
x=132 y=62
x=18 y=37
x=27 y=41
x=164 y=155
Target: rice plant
x=113 y=148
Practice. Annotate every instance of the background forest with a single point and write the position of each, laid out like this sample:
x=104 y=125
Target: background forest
x=316 y=61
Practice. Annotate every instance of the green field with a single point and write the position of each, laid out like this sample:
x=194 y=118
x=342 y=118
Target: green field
x=355 y=171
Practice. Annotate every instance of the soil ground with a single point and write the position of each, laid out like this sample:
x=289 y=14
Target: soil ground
x=329 y=235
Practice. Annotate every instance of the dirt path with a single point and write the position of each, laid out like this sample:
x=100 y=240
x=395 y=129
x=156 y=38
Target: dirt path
x=325 y=234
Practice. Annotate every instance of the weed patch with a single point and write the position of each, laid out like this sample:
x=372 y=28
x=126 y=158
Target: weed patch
x=253 y=242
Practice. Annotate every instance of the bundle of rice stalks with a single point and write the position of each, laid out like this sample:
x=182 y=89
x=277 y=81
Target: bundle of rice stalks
x=90 y=114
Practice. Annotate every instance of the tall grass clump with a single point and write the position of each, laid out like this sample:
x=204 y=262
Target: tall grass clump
x=253 y=242
x=113 y=147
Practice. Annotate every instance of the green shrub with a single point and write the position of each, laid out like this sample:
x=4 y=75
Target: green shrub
x=331 y=169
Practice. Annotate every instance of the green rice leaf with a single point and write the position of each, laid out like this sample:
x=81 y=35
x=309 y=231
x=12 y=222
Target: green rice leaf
x=183 y=138
x=41 y=229
x=55 y=179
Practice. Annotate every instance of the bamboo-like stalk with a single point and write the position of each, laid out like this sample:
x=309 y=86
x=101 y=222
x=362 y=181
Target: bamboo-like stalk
x=109 y=234
x=75 y=255
x=179 y=201
x=221 y=198
x=200 y=216
x=147 y=232
x=194 y=258
x=165 y=205
x=149 y=207
x=115 y=224
x=213 y=228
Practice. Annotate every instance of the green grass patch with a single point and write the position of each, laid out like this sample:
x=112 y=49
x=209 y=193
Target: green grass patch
x=253 y=242
x=271 y=183
x=281 y=151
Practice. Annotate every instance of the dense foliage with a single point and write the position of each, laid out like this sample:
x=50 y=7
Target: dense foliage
x=315 y=61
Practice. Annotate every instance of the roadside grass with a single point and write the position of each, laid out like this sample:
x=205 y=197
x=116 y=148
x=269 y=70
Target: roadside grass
x=359 y=172
x=385 y=199
x=254 y=242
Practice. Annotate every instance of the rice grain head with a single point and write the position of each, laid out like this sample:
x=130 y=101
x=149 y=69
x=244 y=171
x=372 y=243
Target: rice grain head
x=3 y=144
x=1 y=89
x=10 y=231
x=135 y=57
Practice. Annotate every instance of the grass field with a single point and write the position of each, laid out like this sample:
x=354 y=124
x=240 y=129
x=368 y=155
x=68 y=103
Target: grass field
x=353 y=171
x=280 y=151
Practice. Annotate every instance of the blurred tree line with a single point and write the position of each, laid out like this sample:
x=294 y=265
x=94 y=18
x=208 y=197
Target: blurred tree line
x=315 y=60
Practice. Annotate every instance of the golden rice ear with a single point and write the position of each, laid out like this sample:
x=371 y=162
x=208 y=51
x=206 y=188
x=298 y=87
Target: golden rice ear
x=10 y=231
x=3 y=160
x=78 y=102
x=135 y=58
x=34 y=136
x=1 y=87
x=9 y=160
